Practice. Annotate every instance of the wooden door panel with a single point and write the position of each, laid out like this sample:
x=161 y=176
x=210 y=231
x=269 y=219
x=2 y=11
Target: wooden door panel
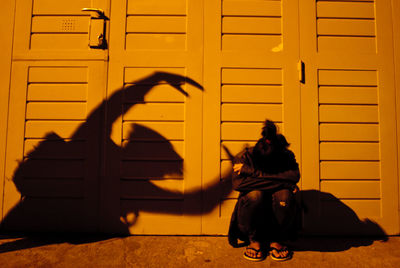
x=59 y=24
x=341 y=170
x=368 y=208
x=155 y=24
x=346 y=101
x=153 y=168
x=161 y=93
x=56 y=111
x=350 y=9
x=249 y=42
x=251 y=94
x=349 y=151
x=74 y=150
x=251 y=8
x=348 y=113
x=349 y=132
x=346 y=27
x=57 y=92
x=48 y=7
x=250 y=112
x=251 y=25
x=346 y=44
x=237 y=76
x=172 y=131
x=159 y=7
x=250 y=76
x=348 y=95
x=155 y=42
x=352 y=190
x=65 y=129
x=55 y=30
x=53 y=146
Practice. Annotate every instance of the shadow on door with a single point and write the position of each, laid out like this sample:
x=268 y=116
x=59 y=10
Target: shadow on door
x=38 y=208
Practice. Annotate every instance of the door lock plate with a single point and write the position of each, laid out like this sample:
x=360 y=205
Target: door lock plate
x=97 y=29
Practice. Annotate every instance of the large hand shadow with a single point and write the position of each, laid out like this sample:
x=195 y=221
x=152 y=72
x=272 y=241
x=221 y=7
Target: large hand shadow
x=47 y=173
x=43 y=178
x=170 y=165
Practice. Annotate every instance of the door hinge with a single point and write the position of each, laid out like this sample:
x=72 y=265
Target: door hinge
x=301 y=70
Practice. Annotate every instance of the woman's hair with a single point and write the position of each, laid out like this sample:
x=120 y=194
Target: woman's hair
x=270 y=135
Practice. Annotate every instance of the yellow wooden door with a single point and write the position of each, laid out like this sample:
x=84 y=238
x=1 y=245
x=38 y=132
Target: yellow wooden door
x=250 y=74
x=346 y=121
x=153 y=130
x=348 y=110
x=146 y=155
x=57 y=87
x=143 y=165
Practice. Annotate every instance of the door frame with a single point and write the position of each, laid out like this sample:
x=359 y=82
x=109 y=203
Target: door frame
x=7 y=13
x=396 y=59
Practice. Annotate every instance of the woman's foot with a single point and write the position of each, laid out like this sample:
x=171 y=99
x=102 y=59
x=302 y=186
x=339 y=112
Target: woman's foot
x=254 y=252
x=280 y=252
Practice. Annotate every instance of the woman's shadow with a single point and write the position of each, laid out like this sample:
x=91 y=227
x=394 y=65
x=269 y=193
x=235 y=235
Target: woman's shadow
x=329 y=225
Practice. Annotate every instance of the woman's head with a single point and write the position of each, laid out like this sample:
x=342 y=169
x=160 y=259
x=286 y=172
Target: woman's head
x=271 y=137
x=261 y=152
x=269 y=130
x=264 y=146
x=270 y=142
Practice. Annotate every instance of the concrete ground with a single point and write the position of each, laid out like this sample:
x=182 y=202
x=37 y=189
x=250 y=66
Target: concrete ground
x=186 y=251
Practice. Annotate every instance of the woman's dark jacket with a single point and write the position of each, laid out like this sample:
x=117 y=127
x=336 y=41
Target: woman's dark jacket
x=281 y=171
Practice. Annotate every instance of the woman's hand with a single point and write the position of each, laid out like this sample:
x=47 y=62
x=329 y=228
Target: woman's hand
x=237 y=168
x=296 y=189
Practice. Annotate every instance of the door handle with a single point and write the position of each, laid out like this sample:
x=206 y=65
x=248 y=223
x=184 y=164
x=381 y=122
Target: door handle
x=99 y=11
x=97 y=28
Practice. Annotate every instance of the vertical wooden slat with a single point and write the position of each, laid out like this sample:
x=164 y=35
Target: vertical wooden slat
x=7 y=21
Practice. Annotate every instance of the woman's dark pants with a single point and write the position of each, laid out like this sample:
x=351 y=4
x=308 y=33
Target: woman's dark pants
x=267 y=216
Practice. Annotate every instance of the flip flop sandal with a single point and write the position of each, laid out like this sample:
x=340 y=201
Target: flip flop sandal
x=275 y=258
x=247 y=257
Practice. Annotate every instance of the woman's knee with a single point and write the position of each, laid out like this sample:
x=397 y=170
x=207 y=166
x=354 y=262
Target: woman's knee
x=249 y=206
x=282 y=198
x=283 y=206
x=254 y=196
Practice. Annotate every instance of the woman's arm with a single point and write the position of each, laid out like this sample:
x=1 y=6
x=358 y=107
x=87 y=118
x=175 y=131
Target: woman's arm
x=245 y=177
x=243 y=168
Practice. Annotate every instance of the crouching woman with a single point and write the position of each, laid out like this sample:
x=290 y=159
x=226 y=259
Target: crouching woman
x=266 y=214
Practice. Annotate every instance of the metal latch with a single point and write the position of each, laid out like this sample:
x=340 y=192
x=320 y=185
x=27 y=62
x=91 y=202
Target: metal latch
x=97 y=28
x=301 y=70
